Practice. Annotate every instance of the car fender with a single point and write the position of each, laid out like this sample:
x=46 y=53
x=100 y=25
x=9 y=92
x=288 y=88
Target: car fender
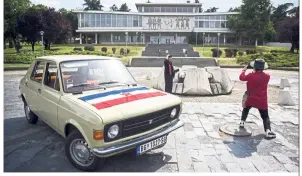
x=78 y=126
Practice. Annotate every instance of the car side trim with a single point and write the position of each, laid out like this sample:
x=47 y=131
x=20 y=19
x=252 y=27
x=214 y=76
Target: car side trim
x=137 y=141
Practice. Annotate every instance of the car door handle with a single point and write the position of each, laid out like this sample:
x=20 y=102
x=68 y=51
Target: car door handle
x=39 y=90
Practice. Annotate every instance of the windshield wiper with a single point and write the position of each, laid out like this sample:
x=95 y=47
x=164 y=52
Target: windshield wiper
x=79 y=85
x=113 y=82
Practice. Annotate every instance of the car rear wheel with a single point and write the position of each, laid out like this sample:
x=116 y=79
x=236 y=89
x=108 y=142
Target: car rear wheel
x=79 y=153
x=31 y=117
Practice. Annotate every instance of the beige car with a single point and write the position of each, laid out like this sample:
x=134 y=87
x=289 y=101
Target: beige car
x=96 y=104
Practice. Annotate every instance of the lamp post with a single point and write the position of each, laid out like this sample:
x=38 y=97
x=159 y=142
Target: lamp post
x=218 y=39
x=196 y=38
x=136 y=41
x=203 y=42
x=126 y=42
x=42 y=33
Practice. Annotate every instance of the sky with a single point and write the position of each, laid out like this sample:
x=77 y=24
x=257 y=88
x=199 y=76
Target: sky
x=223 y=5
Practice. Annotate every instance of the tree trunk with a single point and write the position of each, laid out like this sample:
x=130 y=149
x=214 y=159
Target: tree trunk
x=4 y=43
x=256 y=43
x=33 y=46
x=10 y=44
x=15 y=44
x=292 y=49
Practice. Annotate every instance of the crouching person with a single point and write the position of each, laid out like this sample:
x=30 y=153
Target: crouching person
x=256 y=94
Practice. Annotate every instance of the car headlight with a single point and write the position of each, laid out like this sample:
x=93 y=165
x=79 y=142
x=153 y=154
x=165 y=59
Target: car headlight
x=173 y=113
x=113 y=131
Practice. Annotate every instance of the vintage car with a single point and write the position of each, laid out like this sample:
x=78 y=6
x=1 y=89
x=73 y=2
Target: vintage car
x=95 y=103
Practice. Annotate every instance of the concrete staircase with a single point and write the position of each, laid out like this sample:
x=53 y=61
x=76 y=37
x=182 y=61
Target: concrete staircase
x=176 y=50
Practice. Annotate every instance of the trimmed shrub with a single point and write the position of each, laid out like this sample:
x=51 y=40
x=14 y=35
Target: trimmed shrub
x=77 y=49
x=234 y=52
x=104 y=49
x=18 y=47
x=240 y=53
x=113 y=50
x=273 y=59
x=250 y=51
x=216 y=53
x=89 y=48
x=122 y=51
x=128 y=50
x=228 y=53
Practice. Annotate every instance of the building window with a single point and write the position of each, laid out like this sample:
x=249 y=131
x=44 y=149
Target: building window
x=130 y=21
x=212 y=24
x=206 y=17
x=224 y=17
x=185 y=9
x=98 y=20
x=108 y=20
x=82 y=20
x=217 y=24
x=201 y=24
x=217 y=17
x=135 y=21
x=206 y=24
x=196 y=24
x=173 y=9
x=103 y=20
x=212 y=17
x=119 y=21
x=146 y=9
x=140 y=21
x=151 y=9
x=163 y=9
x=223 y=24
x=124 y=17
x=86 y=19
x=179 y=9
x=156 y=9
x=168 y=9
x=140 y=8
x=113 y=20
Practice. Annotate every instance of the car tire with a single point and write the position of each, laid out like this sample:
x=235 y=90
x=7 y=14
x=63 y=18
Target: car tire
x=79 y=153
x=31 y=117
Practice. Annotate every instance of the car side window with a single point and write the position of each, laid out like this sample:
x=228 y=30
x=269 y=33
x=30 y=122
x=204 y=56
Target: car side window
x=38 y=72
x=51 y=78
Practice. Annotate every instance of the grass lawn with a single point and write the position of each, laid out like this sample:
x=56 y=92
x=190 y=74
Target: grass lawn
x=228 y=61
x=16 y=65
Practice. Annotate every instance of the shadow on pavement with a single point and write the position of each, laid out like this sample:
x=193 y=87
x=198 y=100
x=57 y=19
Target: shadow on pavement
x=38 y=148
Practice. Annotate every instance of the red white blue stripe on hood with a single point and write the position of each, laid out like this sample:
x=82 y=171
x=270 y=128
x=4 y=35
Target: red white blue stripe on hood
x=121 y=96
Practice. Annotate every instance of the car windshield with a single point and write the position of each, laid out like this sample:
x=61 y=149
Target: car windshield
x=86 y=75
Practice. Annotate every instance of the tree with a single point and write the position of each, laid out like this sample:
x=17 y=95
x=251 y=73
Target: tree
x=288 y=30
x=113 y=8
x=236 y=24
x=212 y=9
x=236 y=9
x=30 y=24
x=93 y=5
x=13 y=10
x=256 y=16
x=280 y=13
x=72 y=17
x=124 y=8
x=200 y=8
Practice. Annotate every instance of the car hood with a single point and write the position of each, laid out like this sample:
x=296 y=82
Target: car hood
x=116 y=104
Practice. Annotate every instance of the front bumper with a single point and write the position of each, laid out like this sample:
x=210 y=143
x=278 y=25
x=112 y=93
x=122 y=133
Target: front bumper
x=135 y=142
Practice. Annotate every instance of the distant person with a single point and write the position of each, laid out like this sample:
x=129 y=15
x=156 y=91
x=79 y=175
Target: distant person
x=186 y=53
x=256 y=94
x=167 y=52
x=169 y=74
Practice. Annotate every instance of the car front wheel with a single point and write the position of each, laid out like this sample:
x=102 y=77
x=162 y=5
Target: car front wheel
x=31 y=117
x=79 y=153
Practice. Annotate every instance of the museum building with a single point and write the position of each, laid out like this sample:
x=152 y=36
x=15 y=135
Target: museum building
x=156 y=23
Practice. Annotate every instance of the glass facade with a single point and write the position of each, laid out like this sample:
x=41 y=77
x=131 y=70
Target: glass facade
x=168 y=9
x=109 y=20
x=213 y=21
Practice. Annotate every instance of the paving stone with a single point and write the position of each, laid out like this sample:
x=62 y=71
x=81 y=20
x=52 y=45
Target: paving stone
x=204 y=120
x=282 y=158
x=188 y=127
x=193 y=144
x=227 y=158
x=184 y=118
x=259 y=163
x=193 y=117
x=170 y=155
x=171 y=143
x=208 y=127
x=274 y=164
x=285 y=142
x=214 y=164
x=196 y=124
x=200 y=132
x=220 y=147
x=233 y=167
x=246 y=165
x=197 y=155
x=209 y=151
x=190 y=134
x=201 y=167
x=291 y=167
x=214 y=135
x=219 y=152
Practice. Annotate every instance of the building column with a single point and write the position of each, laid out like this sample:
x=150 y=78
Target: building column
x=175 y=37
x=86 y=38
x=111 y=37
x=208 y=40
x=80 y=38
x=96 y=38
x=224 y=39
x=80 y=16
x=159 y=38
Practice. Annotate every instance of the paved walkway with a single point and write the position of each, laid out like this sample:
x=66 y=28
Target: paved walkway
x=196 y=147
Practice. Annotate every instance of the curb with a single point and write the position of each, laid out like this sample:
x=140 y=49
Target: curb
x=222 y=66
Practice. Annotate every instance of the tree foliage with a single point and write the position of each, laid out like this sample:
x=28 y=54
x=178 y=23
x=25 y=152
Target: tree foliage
x=212 y=9
x=72 y=17
x=113 y=8
x=93 y=5
x=200 y=8
x=280 y=13
x=124 y=8
x=288 y=30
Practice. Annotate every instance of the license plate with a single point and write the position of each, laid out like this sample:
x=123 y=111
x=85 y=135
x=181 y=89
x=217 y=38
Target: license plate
x=151 y=145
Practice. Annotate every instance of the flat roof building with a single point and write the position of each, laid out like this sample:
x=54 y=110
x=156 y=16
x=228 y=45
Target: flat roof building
x=156 y=23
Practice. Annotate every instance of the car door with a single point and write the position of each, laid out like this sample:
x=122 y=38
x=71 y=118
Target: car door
x=33 y=85
x=50 y=94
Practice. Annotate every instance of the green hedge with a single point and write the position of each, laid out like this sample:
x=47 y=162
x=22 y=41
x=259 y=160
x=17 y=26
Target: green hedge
x=273 y=59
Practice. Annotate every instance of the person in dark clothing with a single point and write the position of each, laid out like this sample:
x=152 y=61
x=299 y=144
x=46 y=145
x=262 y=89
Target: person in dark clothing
x=169 y=74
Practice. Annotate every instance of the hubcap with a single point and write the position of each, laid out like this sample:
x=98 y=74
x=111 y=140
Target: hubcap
x=27 y=111
x=80 y=152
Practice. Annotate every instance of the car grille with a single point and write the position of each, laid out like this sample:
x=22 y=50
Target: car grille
x=142 y=123
x=147 y=122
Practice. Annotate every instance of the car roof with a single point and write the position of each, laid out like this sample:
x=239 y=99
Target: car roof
x=61 y=58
